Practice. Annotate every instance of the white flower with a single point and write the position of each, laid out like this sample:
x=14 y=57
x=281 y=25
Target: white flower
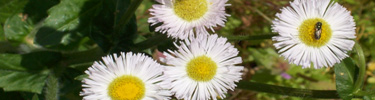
x=203 y=68
x=188 y=18
x=125 y=77
x=314 y=31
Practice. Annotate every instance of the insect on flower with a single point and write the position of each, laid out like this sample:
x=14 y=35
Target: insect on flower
x=318 y=30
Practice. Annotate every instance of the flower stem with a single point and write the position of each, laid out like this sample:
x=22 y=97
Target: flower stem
x=362 y=69
x=250 y=37
x=304 y=93
x=128 y=14
x=155 y=40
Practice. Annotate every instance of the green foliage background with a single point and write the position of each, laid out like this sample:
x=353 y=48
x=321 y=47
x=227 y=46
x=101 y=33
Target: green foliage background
x=46 y=45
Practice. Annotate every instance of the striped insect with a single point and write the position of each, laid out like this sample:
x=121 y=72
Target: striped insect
x=318 y=30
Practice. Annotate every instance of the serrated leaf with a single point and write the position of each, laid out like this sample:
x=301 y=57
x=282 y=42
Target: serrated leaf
x=65 y=20
x=17 y=27
x=26 y=72
x=10 y=7
x=345 y=78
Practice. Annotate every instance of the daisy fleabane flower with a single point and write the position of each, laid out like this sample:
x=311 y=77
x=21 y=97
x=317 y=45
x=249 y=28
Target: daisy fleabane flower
x=126 y=77
x=203 y=68
x=318 y=32
x=187 y=18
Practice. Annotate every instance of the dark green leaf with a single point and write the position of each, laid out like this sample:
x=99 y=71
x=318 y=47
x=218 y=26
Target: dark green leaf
x=26 y=72
x=37 y=11
x=153 y=41
x=35 y=60
x=2 y=36
x=10 y=7
x=66 y=21
x=17 y=27
x=7 y=47
x=10 y=95
x=104 y=34
x=70 y=88
x=345 y=78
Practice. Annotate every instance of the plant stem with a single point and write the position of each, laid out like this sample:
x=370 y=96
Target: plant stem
x=365 y=93
x=250 y=37
x=152 y=41
x=362 y=69
x=305 y=93
x=261 y=14
x=128 y=14
x=82 y=56
x=6 y=47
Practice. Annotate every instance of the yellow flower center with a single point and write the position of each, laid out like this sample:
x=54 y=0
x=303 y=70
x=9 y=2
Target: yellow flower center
x=308 y=32
x=201 y=68
x=190 y=10
x=126 y=87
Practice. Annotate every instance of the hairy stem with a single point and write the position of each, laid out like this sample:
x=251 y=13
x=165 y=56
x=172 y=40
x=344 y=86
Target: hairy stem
x=362 y=69
x=52 y=88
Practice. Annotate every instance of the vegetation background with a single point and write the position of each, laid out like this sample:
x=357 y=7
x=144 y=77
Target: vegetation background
x=46 y=45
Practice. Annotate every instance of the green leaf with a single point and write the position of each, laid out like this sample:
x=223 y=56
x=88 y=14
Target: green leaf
x=10 y=7
x=264 y=57
x=81 y=77
x=7 y=9
x=66 y=21
x=35 y=97
x=14 y=77
x=17 y=27
x=26 y=72
x=345 y=78
x=369 y=97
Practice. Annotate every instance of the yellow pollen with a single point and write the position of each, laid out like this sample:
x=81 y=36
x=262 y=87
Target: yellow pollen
x=126 y=87
x=190 y=10
x=307 y=32
x=201 y=68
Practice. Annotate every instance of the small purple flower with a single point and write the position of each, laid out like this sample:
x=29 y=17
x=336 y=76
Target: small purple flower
x=285 y=75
